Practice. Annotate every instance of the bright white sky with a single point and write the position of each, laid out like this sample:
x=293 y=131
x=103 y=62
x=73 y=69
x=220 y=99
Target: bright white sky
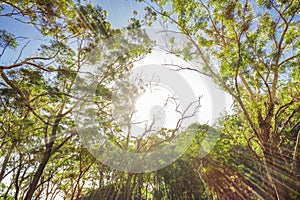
x=198 y=83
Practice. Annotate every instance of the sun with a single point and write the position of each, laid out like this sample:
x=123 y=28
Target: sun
x=162 y=103
x=157 y=104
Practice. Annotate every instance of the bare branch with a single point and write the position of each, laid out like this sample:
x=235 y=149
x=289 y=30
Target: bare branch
x=19 y=56
x=187 y=68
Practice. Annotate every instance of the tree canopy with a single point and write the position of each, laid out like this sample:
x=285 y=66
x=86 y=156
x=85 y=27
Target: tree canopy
x=251 y=49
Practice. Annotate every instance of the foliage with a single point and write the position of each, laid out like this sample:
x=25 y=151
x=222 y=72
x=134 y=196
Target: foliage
x=250 y=48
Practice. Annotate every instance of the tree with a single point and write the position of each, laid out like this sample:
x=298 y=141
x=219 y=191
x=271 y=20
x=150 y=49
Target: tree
x=38 y=136
x=36 y=126
x=251 y=50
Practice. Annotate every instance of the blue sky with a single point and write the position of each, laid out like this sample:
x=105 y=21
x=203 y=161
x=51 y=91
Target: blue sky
x=19 y=30
x=119 y=12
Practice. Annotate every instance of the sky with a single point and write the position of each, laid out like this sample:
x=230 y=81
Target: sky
x=119 y=11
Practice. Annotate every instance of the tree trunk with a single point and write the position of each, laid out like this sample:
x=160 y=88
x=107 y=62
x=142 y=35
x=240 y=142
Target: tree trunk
x=127 y=187
x=38 y=174
x=46 y=157
x=5 y=162
x=272 y=164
